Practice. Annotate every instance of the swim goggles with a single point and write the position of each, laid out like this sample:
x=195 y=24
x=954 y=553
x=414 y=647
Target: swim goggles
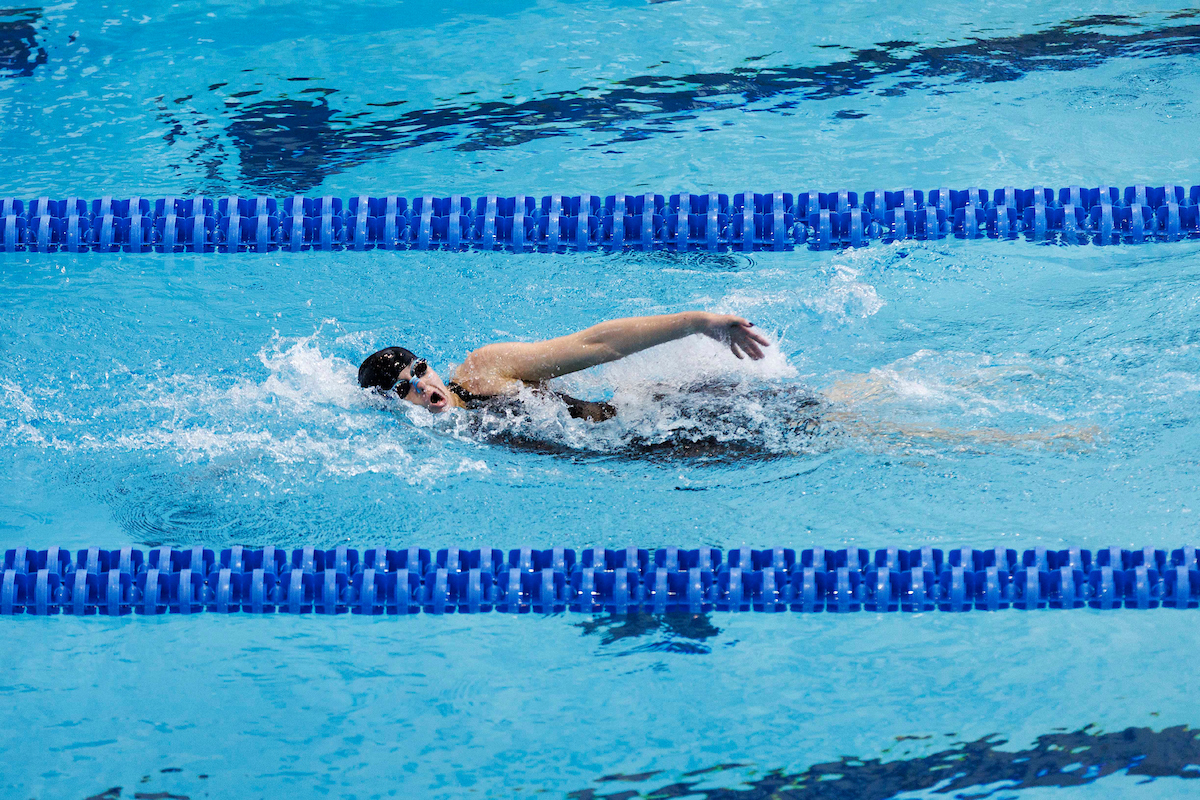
x=402 y=386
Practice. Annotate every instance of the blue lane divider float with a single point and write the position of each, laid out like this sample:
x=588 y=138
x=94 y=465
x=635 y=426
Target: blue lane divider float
x=407 y=581
x=558 y=223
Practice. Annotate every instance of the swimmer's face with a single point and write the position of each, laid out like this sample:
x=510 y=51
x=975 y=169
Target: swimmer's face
x=427 y=391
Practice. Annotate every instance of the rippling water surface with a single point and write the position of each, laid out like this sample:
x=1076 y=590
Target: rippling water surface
x=948 y=394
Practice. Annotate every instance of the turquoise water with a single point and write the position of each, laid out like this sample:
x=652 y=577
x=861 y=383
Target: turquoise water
x=211 y=400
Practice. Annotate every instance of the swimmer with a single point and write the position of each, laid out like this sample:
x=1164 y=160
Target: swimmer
x=495 y=373
x=491 y=377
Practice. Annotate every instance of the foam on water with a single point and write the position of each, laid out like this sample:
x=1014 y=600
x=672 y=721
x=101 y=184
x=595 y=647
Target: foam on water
x=307 y=417
x=846 y=295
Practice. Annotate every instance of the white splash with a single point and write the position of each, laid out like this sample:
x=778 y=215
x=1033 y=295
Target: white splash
x=846 y=296
x=307 y=416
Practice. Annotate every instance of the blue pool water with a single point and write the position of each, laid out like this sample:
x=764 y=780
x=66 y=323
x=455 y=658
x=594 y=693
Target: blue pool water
x=211 y=400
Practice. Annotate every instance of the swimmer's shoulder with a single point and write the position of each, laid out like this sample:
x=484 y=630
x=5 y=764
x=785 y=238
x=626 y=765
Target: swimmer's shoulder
x=481 y=372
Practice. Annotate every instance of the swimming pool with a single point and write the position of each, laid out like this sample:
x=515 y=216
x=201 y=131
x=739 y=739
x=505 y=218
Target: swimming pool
x=210 y=400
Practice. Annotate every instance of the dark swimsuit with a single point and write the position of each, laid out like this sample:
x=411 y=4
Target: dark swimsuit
x=578 y=409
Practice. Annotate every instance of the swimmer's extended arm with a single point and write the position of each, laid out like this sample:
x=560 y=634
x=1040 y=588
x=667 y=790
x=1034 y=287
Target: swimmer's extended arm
x=493 y=368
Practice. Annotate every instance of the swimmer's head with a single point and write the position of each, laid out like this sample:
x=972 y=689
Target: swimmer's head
x=391 y=371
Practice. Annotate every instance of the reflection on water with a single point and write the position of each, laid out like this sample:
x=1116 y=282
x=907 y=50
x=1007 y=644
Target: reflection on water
x=1056 y=760
x=289 y=145
x=294 y=144
x=674 y=633
x=19 y=49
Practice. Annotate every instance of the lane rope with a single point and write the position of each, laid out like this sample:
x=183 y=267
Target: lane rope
x=715 y=222
x=166 y=580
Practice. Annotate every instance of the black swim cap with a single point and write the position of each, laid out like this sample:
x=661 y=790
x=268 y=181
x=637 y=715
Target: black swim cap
x=381 y=370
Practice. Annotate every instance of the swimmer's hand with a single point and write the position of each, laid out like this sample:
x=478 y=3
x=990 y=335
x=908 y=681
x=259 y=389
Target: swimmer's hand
x=738 y=333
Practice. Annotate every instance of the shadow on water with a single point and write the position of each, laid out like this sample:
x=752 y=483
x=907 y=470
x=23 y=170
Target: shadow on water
x=294 y=144
x=967 y=770
x=675 y=633
x=19 y=50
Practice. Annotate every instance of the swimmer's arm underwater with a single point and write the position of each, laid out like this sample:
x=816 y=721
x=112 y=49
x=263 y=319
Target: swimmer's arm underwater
x=497 y=368
x=850 y=394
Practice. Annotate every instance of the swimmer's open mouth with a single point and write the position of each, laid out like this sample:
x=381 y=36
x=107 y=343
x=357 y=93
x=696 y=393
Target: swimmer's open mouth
x=436 y=398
